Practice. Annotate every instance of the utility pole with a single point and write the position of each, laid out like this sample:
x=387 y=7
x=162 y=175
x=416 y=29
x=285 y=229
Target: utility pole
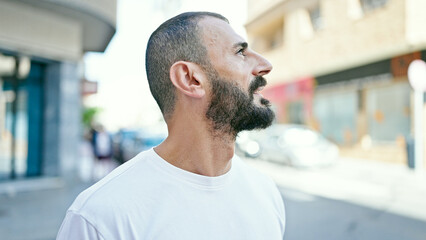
x=417 y=78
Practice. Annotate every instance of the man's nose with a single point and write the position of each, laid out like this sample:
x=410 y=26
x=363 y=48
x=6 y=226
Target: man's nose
x=262 y=66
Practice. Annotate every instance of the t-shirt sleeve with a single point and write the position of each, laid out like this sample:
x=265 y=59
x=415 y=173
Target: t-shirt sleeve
x=75 y=226
x=279 y=202
x=281 y=210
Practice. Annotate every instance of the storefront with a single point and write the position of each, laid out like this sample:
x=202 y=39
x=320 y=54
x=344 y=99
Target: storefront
x=368 y=107
x=39 y=118
x=42 y=44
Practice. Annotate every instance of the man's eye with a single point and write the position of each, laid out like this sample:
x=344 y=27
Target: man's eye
x=241 y=52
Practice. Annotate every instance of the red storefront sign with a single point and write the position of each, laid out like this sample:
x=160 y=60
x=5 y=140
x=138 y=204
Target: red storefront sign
x=290 y=91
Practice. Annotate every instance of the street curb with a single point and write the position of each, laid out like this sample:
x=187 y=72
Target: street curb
x=11 y=188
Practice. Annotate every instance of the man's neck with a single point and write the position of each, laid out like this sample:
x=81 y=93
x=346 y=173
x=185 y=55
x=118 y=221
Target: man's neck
x=197 y=150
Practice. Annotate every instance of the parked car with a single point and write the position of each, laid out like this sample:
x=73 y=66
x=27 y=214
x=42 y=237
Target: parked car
x=294 y=145
x=129 y=142
x=121 y=139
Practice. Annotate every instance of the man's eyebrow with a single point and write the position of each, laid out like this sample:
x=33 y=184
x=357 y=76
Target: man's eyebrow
x=243 y=45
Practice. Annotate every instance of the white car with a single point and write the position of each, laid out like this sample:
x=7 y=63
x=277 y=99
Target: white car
x=294 y=145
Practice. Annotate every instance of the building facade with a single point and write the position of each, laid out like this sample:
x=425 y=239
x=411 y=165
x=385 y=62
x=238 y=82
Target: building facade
x=344 y=65
x=41 y=48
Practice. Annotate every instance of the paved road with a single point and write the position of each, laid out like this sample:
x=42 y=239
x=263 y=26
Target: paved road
x=312 y=218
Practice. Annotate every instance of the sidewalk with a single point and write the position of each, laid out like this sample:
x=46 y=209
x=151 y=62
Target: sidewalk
x=384 y=186
x=34 y=209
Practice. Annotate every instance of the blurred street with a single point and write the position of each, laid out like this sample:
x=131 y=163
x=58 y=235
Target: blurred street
x=387 y=187
x=74 y=95
x=310 y=217
x=351 y=200
x=354 y=199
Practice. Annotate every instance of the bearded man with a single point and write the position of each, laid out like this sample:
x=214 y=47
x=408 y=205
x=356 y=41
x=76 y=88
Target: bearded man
x=206 y=82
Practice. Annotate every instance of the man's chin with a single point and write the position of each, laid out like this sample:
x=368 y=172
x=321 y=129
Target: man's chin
x=263 y=102
x=258 y=99
x=262 y=119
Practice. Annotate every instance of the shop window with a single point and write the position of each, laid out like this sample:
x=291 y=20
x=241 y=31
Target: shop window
x=369 y=5
x=336 y=113
x=14 y=130
x=388 y=112
x=21 y=116
x=6 y=98
x=316 y=17
x=310 y=21
x=357 y=8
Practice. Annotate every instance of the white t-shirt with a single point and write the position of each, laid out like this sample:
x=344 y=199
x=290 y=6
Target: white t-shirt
x=148 y=198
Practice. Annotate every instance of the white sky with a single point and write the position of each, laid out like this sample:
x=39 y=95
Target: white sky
x=123 y=91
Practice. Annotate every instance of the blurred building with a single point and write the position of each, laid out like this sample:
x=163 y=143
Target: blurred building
x=340 y=66
x=41 y=48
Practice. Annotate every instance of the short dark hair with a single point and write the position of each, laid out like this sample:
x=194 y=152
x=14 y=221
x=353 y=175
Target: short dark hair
x=177 y=39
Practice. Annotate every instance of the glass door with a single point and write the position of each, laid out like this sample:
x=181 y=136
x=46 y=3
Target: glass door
x=21 y=118
x=6 y=98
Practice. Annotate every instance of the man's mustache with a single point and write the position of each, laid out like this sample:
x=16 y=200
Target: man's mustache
x=258 y=82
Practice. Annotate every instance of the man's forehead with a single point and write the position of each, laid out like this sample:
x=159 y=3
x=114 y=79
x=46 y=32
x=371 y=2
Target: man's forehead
x=216 y=30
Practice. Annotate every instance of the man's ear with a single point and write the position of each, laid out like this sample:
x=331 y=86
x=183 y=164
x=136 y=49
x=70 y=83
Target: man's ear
x=187 y=79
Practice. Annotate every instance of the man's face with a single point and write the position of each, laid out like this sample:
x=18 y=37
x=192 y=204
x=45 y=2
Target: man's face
x=236 y=80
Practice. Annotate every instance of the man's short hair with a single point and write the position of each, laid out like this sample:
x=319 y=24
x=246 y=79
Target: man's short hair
x=177 y=39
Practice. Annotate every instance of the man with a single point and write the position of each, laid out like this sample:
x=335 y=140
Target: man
x=206 y=82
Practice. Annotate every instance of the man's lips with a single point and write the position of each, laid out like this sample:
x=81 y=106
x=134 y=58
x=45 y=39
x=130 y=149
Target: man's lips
x=259 y=89
x=257 y=85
